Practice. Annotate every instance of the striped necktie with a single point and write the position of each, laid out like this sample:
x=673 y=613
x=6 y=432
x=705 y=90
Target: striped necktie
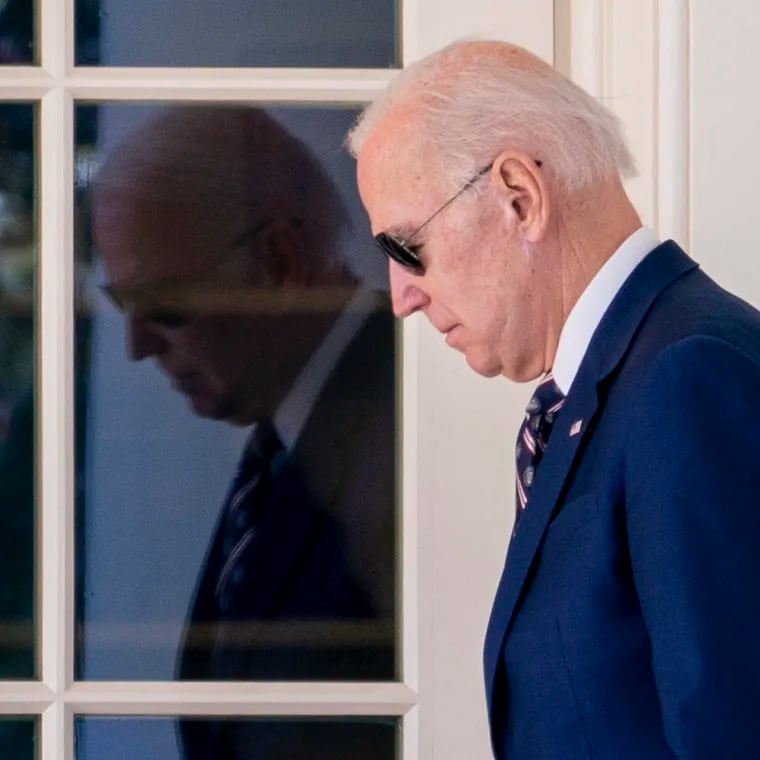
x=533 y=437
x=245 y=505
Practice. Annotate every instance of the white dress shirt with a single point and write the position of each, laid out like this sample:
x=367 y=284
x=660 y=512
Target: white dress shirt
x=587 y=313
x=296 y=407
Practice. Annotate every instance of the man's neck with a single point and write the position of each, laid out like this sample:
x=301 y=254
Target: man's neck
x=584 y=249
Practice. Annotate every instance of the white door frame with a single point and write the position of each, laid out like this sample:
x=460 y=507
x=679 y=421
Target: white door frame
x=456 y=467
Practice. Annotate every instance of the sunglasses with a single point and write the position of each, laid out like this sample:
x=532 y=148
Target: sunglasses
x=406 y=254
x=173 y=304
x=162 y=306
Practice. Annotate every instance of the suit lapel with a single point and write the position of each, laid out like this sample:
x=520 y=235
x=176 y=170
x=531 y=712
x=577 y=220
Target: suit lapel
x=608 y=346
x=555 y=468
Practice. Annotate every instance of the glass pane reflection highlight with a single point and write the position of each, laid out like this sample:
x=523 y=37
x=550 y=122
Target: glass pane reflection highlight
x=359 y=34
x=18 y=240
x=236 y=510
x=236 y=738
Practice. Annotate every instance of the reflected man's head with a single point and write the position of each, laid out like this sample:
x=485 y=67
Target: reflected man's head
x=203 y=218
x=481 y=169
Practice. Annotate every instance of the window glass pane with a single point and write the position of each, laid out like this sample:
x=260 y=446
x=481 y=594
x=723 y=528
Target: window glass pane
x=17 y=44
x=236 y=738
x=357 y=34
x=233 y=242
x=17 y=361
x=18 y=738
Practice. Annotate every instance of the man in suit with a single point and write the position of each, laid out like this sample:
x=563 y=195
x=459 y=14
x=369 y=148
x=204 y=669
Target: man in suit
x=627 y=619
x=221 y=237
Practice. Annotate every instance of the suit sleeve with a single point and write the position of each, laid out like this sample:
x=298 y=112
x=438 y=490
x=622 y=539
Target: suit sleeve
x=693 y=520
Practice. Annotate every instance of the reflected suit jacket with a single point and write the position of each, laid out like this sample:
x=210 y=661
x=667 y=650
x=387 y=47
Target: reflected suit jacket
x=322 y=558
x=627 y=620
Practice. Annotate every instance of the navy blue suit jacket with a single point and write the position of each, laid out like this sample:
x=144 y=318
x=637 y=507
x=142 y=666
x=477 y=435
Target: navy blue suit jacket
x=627 y=620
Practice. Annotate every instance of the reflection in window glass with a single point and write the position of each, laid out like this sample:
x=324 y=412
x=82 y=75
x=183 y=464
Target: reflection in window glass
x=236 y=510
x=357 y=34
x=17 y=31
x=236 y=738
x=17 y=427
x=18 y=738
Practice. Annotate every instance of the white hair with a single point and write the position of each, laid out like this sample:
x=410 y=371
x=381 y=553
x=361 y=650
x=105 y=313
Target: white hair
x=475 y=103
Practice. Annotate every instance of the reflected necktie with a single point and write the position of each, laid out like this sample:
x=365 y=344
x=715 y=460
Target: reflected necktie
x=533 y=437
x=245 y=505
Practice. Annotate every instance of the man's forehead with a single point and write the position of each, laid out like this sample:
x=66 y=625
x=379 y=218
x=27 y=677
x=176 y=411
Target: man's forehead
x=400 y=134
x=396 y=174
x=394 y=198
x=144 y=242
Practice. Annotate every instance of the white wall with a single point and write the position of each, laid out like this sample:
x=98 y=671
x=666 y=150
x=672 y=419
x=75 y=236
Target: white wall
x=682 y=76
x=725 y=142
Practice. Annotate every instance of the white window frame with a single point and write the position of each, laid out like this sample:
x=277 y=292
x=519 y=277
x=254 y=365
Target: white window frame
x=448 y=462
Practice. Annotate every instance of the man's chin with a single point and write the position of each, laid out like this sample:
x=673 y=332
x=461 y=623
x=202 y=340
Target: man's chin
x=207 y=406
x=483 y=365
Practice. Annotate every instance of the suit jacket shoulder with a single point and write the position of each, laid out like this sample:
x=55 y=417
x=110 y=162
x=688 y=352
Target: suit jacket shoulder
x=636 y=548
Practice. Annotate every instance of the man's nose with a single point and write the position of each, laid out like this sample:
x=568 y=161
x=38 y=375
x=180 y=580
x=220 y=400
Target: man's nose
x=407 y=294
x=143 y=338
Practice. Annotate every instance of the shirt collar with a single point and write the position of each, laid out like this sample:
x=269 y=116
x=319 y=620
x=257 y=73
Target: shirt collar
x=587 y=313
x=295 y=409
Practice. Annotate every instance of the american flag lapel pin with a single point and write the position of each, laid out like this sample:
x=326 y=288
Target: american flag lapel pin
x=575 y=428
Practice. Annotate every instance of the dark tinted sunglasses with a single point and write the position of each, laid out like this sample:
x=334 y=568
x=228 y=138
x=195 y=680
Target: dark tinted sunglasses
x=163 y=306
x=401 y=251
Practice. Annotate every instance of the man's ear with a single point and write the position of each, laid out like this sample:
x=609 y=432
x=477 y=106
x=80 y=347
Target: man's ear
x=522 y=186
x=281 y=253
